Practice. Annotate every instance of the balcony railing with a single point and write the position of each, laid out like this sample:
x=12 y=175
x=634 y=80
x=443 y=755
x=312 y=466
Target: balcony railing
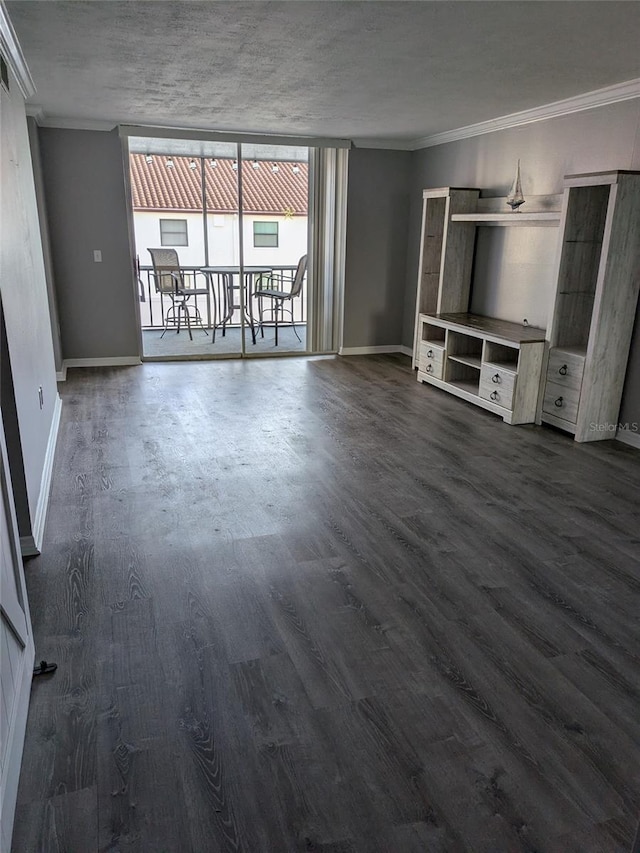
x=154 y=305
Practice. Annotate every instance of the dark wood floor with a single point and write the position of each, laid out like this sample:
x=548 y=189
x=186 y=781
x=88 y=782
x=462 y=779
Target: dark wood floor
x=311 y=605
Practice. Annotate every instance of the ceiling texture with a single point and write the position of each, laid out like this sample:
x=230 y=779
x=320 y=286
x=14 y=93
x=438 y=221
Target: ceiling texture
x=386 y=71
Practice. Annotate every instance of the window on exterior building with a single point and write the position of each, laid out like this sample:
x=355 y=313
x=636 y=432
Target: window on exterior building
x=173 y=232
x=265 y=235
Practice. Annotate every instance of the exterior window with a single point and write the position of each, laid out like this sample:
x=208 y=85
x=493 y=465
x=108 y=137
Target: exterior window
x=265 y=235
x=173 y=232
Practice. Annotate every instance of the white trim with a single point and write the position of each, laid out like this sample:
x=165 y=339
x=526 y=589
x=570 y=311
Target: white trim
x=587 y=101
x=630 y=438
x=387 y=144
x=373 y=350
x=74 y=123
x=114 y=361
x=12 y=52
x=36 y=112
x=61 y=375
x=406 y=351
x=225 y=136
x=32 y=545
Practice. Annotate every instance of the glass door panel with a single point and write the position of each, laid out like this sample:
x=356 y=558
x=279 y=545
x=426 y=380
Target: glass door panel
x=274 y=241
x=174 y=298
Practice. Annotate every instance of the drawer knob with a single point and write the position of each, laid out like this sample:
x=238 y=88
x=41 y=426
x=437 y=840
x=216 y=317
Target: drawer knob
x=494 y=395
x=496 y=379
x=563 y=370
x=429 y=353
x=558 y=402
x=429 y=368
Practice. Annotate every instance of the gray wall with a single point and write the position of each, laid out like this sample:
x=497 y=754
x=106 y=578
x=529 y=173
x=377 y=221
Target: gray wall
x=87 y=210
x=34 y=142
x=376 y=247
x=590 y=141
x=29 y=347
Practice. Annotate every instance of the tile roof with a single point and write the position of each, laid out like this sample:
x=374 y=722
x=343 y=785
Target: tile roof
x=155 y=187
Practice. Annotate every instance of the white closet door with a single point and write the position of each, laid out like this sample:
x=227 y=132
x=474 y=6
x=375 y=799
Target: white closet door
x=16 y=653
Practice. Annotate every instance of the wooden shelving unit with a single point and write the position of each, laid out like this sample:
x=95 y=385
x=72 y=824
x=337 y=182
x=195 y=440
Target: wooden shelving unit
x=595 y=303
x=484 y=360
x=578 y=374
x=489 y=362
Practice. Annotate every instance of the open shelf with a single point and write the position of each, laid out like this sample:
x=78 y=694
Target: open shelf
x=547 y=217
x=510 y=366
x=470 y=360
x=500 y=356
x=432 y=334
x=467 y=385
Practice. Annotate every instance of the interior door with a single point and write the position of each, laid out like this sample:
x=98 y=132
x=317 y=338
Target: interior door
x=17 y=653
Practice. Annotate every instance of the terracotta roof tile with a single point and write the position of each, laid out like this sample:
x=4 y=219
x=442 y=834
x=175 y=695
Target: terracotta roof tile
x=155 y=187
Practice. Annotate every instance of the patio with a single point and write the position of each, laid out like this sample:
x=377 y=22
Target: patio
x=228 y=342
x=178 y=346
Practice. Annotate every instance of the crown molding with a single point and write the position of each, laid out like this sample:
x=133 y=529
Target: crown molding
x=587 y=101
x=387 y=144
x=75 y=123
x=36 y=112
x=12 y=52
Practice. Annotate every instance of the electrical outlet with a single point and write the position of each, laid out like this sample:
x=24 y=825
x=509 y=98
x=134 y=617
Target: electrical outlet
x=97 y=256
x=40 y=396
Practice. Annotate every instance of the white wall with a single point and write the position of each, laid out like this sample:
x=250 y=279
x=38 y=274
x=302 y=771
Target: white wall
x=25 y=302
x=223 y=238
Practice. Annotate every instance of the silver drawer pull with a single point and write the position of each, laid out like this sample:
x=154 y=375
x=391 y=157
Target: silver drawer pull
x=558 y=402
x=429 y=353
x=494 y=395
x=563 y=370
x=429 y=368
x=496 y=379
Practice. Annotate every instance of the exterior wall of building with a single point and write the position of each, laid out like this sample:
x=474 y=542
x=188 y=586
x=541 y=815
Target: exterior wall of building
x=223 y=238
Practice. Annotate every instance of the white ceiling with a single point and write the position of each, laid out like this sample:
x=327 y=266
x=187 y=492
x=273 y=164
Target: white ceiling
x=362 y=70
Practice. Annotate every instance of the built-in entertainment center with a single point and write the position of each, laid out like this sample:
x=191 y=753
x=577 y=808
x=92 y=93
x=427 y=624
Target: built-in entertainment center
x=569 y=374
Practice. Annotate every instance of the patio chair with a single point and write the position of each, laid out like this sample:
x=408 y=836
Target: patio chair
x=172 y=281
x=279 y=296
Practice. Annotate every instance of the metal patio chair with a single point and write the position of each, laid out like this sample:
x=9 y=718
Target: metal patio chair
x=172 y=281
x=279 y=296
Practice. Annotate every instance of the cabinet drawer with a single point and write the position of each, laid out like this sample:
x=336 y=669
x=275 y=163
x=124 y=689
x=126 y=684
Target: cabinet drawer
x=431 y=366
x=497 y=378
x=561 y=402
x=565 y=369
x=431 y=359
x=497 y=385
x=430 y=352
x=501 y=395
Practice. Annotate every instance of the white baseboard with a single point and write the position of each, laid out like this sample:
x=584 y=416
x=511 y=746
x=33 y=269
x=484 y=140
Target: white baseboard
x=374 y=350
x=31 y=546
x=114 y=361
x=630 y=438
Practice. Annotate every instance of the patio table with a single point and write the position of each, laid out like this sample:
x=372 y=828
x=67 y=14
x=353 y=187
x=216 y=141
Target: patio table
x=224 y=290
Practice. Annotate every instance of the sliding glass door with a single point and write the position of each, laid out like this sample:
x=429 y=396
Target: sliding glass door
x=247 y=227
x=274 y=195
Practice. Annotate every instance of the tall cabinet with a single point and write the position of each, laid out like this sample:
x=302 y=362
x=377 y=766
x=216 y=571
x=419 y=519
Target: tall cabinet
x=446 y=254
x=598 y=278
